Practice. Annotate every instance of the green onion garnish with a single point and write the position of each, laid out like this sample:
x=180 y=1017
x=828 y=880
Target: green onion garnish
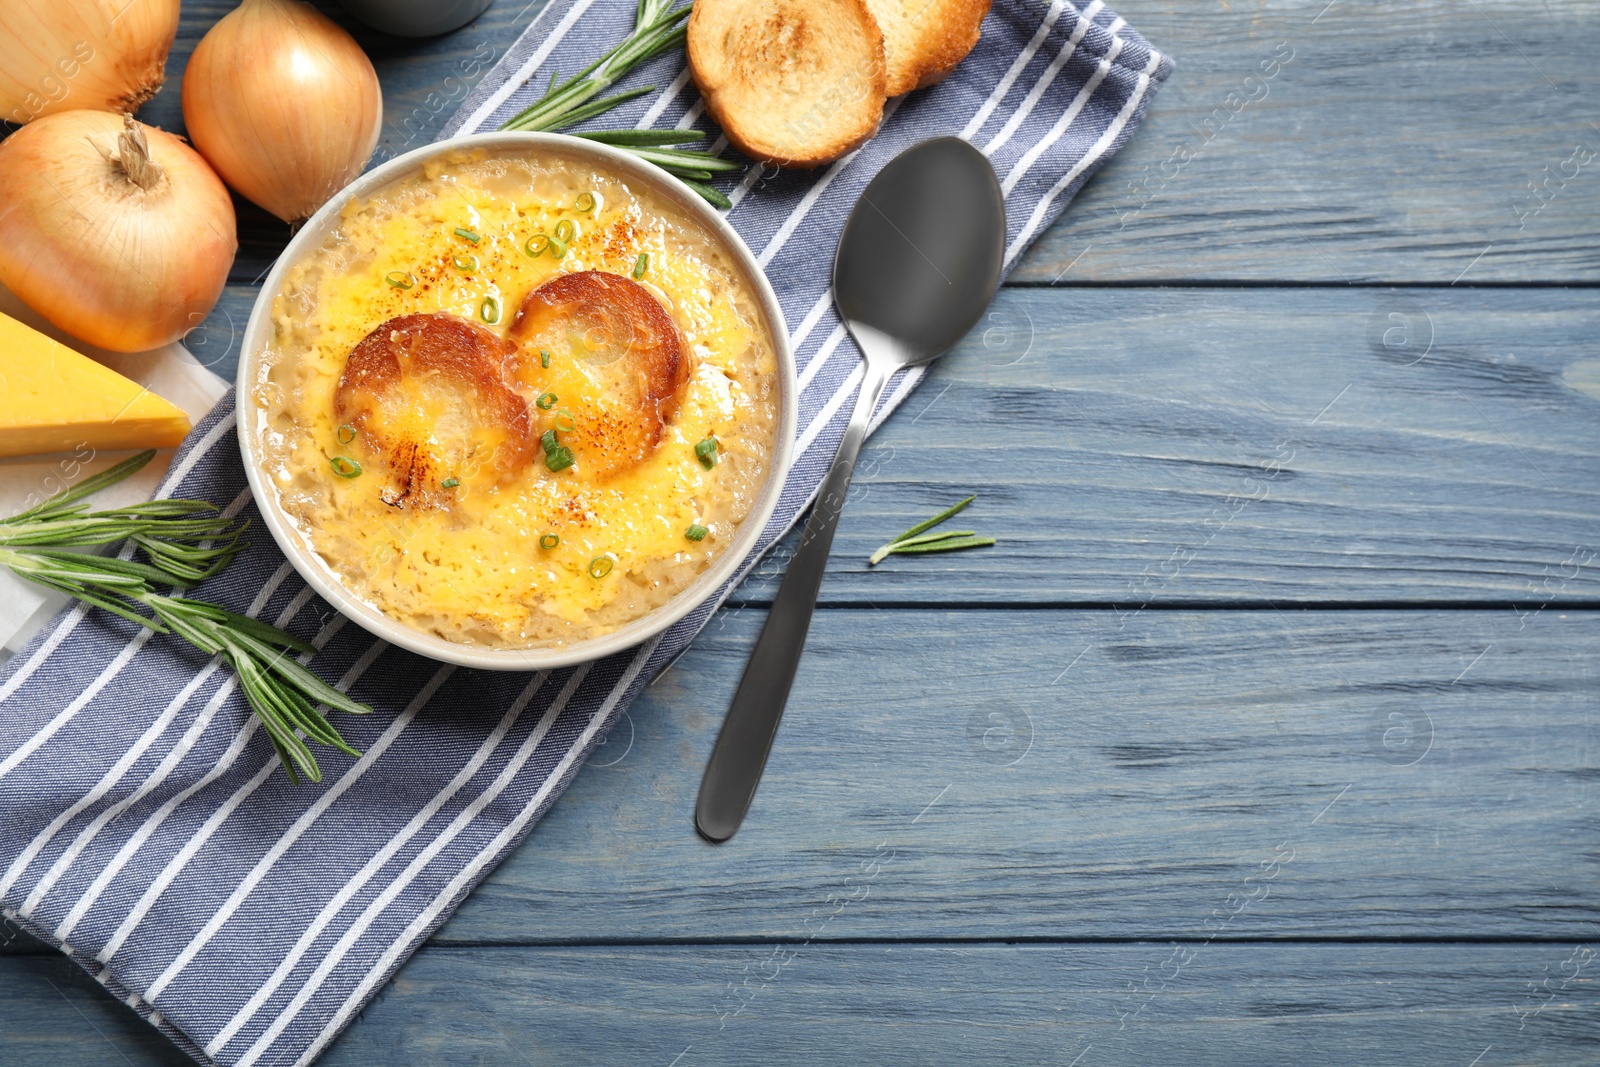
x=536 y=245
x=548 y=442
x=641 y=265
x=468 y=234
x=565 y=422
x=586 y=202
x=399 y=279
x=466 y=265
x=450 y=483
x=343 y=467
x=566 y=231
x=544 y=358
x=696 y=532
x=599 y=567
x=346 y=434
x=549 y=541
x=546 y=401
x=706 y=452
x=558 y=248
x=489 y=310
x=559 y=458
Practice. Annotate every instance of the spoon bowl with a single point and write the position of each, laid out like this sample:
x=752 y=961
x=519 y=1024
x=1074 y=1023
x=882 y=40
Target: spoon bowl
x=920 y=256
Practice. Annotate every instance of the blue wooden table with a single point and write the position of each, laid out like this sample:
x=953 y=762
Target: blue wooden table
x=1270 y=732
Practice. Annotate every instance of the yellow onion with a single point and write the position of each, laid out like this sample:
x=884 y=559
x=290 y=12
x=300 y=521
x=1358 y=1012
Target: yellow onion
x=284 y=104
x=116 y=232
x=63 y=55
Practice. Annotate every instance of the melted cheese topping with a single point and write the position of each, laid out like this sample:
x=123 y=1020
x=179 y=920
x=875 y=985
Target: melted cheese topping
x=474 y=570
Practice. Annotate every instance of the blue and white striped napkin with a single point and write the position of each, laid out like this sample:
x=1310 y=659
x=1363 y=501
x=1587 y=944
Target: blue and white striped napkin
x=145 y=828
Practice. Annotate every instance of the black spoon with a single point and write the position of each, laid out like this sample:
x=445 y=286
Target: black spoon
x=918 y=262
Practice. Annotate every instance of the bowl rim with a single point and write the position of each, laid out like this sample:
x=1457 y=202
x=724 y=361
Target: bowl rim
x=322 y=578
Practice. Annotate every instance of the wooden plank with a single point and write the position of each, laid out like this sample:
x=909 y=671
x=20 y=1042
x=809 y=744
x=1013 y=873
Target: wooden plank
x=1079 y=1005
x=1123 y=444
x=1334 y=142
x=1393 y=149
x=1076 y=774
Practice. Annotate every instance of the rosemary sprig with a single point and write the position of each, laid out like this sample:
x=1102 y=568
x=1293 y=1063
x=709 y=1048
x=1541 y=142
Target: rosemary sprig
x=916 y=541
x=657 y=28
x=183 y=542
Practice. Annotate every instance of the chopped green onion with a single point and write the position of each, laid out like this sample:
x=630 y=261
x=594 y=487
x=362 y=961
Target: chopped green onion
x=706 y=452
x=559 y=458
x=549 y=540
x=343 y=467
x=489 y=310
x=558 y=248
x=450 y=483
x=599 y=567
x=566 y=231
x=544 y=358
x=347 y=433
x=546 y=401
x=399 y=279
x=696 y=532
x=536 y=245
x=641 y=265
x=586 y=202
x=548 y=442
x=468 y=234
x=467 y=265
x=565 y=422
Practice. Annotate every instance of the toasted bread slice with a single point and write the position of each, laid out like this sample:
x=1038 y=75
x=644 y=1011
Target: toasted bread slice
x=425 y=396
x=616 y=367
x=923 y=40
x=798 y=83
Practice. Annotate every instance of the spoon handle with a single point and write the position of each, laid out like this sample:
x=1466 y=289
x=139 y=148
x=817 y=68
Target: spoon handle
x=741 y=752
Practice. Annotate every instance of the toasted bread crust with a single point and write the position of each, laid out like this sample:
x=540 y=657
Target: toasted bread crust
x=925 y=39
x=427 y=397
x=798 y=83
x=630 y=348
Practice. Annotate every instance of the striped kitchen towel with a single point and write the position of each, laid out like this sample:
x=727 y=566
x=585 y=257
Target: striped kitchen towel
x=144 y=826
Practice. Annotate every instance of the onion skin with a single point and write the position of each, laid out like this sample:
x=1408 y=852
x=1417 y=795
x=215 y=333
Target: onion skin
x=121 y=265
x=283 y=104
x=65 y=55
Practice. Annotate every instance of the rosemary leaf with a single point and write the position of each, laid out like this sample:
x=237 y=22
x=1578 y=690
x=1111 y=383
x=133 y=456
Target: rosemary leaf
x=915 y=540
x=945 y=544
x=88 y=486
x=710 y=194
x=928 y=524
x=183 y=543
x=642 y=138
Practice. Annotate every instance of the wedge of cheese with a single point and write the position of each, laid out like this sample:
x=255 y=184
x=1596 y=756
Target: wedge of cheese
x=53 y=399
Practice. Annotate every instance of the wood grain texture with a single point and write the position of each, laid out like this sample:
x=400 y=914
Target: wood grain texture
x=909 y=1004
x=1238 y=445
x=1392 y=149
x=1080 y=774
x=1397 y=144
x=986 y=818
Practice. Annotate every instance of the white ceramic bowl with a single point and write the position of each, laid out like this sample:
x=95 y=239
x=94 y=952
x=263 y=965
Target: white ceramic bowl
x=322 y=578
